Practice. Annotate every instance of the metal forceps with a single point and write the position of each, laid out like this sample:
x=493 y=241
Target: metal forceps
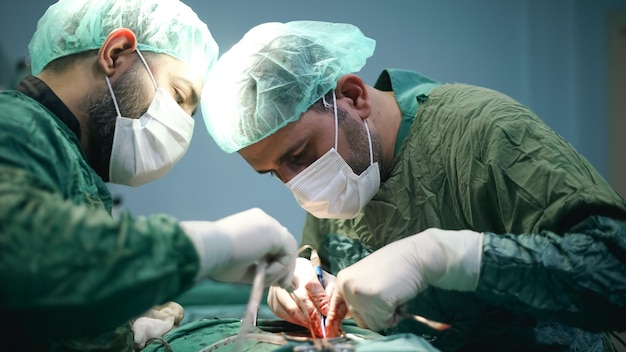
x=420 y=319
x=325 y=347
x=252 y=309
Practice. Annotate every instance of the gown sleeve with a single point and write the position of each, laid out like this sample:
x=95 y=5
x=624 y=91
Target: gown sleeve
x=68 y=269
x=555 y=237
x=577 y=277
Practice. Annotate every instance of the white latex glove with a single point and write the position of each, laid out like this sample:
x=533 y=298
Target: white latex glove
x=374 y=288
x=156 y=322
x=308 y=301
x=230 y=247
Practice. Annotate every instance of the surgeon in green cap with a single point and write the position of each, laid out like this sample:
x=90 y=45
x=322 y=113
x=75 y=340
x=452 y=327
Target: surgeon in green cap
x=113 y=89
x=446 y=201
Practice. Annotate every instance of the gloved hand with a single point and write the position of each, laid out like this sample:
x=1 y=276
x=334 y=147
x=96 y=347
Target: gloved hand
x=156 y=322
x=374 y=288
x=230 y=247
x=308 y=301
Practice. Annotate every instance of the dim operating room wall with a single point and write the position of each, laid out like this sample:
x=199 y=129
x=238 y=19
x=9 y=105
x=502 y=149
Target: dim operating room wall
x=550 y=55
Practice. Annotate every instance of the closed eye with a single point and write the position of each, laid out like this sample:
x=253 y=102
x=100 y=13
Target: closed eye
x=294 y=159
x=179 y=98
x=185 y=94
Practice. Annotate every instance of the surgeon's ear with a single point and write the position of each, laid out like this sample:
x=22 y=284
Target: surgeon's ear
x=114 y=52
x=352 y=87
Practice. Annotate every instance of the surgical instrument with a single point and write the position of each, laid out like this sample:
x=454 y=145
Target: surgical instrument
x=256 y=294
x=317 y=265
x=430 y=323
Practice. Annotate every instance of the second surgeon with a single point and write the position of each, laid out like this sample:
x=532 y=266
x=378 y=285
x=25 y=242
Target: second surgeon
x=449 y=201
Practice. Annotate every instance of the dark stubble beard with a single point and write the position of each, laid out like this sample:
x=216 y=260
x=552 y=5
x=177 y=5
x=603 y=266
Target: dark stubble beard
x=359 y=158
x=132 y=101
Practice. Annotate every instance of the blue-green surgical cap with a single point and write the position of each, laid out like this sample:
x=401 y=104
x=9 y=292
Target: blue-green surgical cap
x=161 y=26
x=274 y=74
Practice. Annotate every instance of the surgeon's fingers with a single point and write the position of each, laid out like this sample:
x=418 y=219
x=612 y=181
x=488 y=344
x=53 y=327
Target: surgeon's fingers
x=337 y=311
x=285 y=307
x=318 y=296
x=280 y=273
x=329 y=287
x=302 y=296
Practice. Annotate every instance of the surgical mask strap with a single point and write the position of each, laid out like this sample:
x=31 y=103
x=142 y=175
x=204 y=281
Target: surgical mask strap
x=335 y=111
x=148 y=68
x=369 y=140
x=367 y=129
x=117 y=108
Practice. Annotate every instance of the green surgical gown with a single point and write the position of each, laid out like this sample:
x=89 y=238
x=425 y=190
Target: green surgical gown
x=554 y=252
x=68 y=270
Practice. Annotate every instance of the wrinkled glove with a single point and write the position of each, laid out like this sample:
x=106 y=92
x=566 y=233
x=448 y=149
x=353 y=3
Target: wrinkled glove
x=230 y=248
x=156 y=322
x=374 y=288
x=308 y=301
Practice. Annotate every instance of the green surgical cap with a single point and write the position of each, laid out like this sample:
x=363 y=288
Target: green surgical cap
x=274 y=74
x=161 y=26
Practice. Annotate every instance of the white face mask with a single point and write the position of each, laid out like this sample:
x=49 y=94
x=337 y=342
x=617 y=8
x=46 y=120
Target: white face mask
x=329 y=188
x=146 y=148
